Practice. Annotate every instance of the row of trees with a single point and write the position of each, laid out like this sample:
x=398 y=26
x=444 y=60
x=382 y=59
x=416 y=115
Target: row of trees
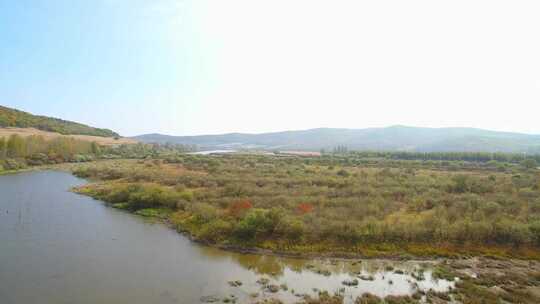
x=449 y=156
x=17 y=152
x=20 y=147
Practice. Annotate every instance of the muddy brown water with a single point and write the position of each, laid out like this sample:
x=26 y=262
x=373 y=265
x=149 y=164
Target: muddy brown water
x=60 y=247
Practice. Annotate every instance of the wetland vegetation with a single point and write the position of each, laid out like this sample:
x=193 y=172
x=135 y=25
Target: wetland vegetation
x=474 y=220
x=480 y=217
x=344 y=205
x=53 y=239
x=269 y=152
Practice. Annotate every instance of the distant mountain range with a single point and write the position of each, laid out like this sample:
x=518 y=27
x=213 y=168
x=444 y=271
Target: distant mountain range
x=18 y=119
x=394 y=138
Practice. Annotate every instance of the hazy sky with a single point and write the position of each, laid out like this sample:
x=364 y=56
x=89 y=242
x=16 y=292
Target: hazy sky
x=202 y=66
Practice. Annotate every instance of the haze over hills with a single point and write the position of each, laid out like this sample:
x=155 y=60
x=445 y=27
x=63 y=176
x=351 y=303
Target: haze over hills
x=394 y=138
x=18 y=119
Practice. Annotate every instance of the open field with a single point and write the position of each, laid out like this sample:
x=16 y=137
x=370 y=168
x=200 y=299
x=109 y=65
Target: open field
x=104 y=141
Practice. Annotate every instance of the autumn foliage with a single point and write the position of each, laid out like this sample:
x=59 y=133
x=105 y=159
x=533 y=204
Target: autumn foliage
x=238 y=208
x=304 y=208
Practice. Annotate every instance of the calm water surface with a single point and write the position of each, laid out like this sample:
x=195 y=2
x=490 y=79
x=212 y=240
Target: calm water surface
x=60 y=247
x=212 y=152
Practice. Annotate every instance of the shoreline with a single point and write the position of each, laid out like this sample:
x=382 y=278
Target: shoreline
x=11 y=172
x=57 y=167
x=334 y=255
x=342 y=255
x=401 y=253
x=477 y=276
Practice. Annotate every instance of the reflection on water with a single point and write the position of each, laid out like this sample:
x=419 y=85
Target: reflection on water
x=60 y=247
x=299 y=277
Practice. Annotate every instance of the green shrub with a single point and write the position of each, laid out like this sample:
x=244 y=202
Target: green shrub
x=215 y=231
x=343 y=173
x=120 y=194
x=204 y=213
x=186 y=195
x=14 y=164
x=257 y=222
x=291 y=228
x=151 y=196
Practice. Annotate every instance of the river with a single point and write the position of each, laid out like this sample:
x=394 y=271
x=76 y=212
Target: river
x=60 y=247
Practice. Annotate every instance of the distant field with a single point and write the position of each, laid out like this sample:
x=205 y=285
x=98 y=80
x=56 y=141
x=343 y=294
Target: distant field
x=301 y=153
x=106 y=141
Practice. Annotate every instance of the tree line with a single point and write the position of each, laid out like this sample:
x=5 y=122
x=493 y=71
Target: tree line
x=448 y=156
x=18 y=152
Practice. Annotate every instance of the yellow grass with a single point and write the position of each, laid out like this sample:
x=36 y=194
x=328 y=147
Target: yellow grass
x=105 y=141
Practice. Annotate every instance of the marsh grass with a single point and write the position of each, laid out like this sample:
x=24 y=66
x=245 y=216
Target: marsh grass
x=309 y=205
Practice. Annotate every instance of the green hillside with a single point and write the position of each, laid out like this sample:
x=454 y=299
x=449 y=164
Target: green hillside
x=15 y=118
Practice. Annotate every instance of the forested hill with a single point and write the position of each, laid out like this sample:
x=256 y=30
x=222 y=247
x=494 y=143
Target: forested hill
x=15 y=118
x=395 y=138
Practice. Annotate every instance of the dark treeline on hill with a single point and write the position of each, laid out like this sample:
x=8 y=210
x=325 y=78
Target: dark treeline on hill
x=15 y=118
x=17 y=152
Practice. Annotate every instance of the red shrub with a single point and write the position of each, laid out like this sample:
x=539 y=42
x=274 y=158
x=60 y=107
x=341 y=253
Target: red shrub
x=238 y=208
x=304 y=208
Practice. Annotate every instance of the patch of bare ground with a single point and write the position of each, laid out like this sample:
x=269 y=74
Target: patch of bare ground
x=105 y=141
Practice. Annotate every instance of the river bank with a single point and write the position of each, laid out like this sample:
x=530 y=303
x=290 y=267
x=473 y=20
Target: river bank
x=363 y=212
x=140 y=247
x=392 y=251
x=58 y=246
x=486 y=277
